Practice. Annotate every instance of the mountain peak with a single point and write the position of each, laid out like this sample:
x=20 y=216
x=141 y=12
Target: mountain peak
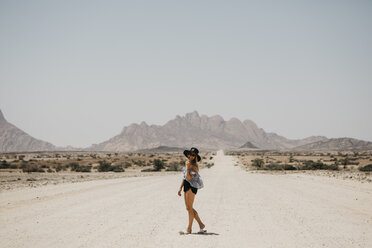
x=13 y=139
x=234 y=119
x=192 y=114
x=2 y=118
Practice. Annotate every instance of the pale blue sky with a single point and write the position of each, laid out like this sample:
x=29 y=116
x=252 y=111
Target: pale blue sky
x=77 y=72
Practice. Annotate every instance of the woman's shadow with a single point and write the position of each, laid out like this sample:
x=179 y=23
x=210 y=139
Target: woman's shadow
x=205 y=233
x=199 y=233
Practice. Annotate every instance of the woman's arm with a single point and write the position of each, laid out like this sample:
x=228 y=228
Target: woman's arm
x=179 y=192
x=195 y=168
x=188 y=169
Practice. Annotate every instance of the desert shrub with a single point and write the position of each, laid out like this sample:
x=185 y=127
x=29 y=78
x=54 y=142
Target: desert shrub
x=366 y=168
x=175 y=166
x=60 y=167
x=13 y=166
x=127 y=164
x=258 y=162
x=158 y=164
x=289 y=167
x=117 y=168
x=209 y=165
x=277 y=166
x=73 y=166
x=4 y=165
x=26 y=167
x=49 y=170
x=84 y=168
x=271 y=166
x=311 y=165
x=104 y=166
x=332 y=167
x=138 y=162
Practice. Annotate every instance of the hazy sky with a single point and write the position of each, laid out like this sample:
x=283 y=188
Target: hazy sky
x=77 y=72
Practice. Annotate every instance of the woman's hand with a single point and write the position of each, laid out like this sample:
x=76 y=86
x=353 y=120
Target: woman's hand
x=179 y=191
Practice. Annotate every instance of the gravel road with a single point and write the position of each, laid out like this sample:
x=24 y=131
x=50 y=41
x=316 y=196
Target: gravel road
x=239 y=208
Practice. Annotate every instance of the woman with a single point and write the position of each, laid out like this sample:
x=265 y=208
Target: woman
x=191 y=183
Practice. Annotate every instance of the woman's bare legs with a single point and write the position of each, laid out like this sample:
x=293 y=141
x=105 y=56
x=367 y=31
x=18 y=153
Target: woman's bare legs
x=196 y=216
x=189 y=201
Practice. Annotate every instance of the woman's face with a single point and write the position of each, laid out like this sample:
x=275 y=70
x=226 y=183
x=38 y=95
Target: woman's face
x=192 y=156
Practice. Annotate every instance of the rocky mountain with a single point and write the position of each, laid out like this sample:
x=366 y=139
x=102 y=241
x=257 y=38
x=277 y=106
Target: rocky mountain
x=248 y=145
x=200 y=131
x=204 y=132
x=13 y=139
x=337 y=144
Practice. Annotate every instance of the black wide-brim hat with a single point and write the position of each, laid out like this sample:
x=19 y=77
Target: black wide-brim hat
x=192 y=150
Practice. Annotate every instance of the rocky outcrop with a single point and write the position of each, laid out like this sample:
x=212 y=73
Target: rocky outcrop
x=337 y=144
x=200 y=131
x=249 y=145
x=13 y=139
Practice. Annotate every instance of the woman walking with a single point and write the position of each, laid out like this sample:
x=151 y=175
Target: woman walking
x=191 y=183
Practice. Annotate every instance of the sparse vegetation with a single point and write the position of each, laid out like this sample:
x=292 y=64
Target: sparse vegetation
x=311 y=165
x=158 y=164
x=74 y=166
x=117 y=168
x=277 y=166
x=303 y=160
x=366 y=168
x=258 y=162
x=77 y=162
x=84 y=168
x=4 y=165
x=175 y=166
x=27 y=167
x=209 y=165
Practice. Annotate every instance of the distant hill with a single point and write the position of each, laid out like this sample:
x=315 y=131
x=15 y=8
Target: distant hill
x=337 y=144
x=249 y=145
x=13 y=139
x=200 y=131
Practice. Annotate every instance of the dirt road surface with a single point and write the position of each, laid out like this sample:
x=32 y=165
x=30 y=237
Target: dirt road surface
x=239 y=208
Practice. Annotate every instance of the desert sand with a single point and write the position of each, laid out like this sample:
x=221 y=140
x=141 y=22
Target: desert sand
x=240 y=209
